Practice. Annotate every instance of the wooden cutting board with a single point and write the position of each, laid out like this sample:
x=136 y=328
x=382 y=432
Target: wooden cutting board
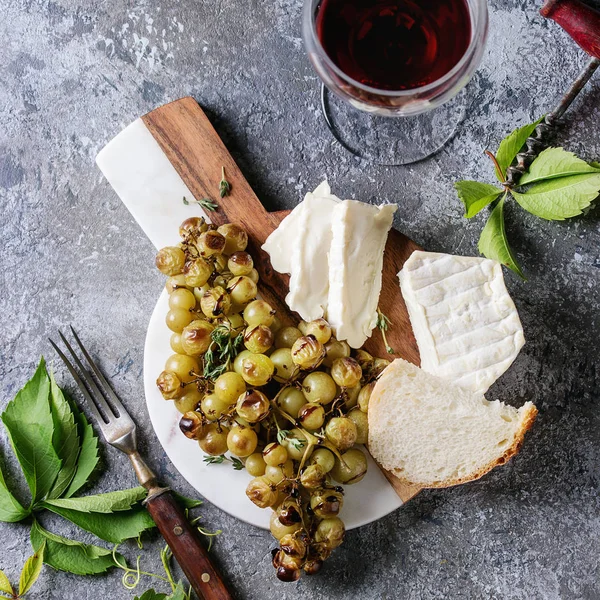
x=197 y=153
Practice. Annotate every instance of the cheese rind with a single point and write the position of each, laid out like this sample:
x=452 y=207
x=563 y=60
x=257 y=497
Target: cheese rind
x=309 y=280
x=465 y=323
x=280 y=244
x=355 y=268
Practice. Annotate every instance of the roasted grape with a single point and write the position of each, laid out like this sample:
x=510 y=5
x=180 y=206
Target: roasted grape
x=324 y=458
x=176 y=282
x=311 y=416
x=330 y=532
x=346 y=372
x=334 y=350
x=213 y=407
x=286 y=337
x=364 y=396
x=197 y=272
x=307 y=352
x=255 y=464
x=213 y=440
x=170 y=260
x=359 y=418
x=189 y=400
x=253 y=406
x=320 y=329
x=185 y=367
x=192 y=225
x=192 y=425
x=259 y=312
x=236 y=239
x=257 y=369
x=258 y=339
x=319 y=387
x=175 y=343
x=215 y=302
x=182 y=298
x=326 y=502
x=291 y=400
x=242 y=290
x=312 y=477
x=284 y=366
x=352 y=468
x=178 y=318
x=242 y=441
x=170 y=385
x=229 y=386
x=210 y=242
x=240 y=263
x=262 y=492
x=196 y=337
x=274 y=454
x=341 y=432
x=279 y=473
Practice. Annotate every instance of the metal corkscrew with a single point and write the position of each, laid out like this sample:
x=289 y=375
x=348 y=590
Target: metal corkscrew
x=582 y=23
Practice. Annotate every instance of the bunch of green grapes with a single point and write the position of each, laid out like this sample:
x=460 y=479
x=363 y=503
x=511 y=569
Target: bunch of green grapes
x=288 y=403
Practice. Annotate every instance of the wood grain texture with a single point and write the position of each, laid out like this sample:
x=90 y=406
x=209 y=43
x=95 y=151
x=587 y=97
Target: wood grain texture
x=187 y=547
x=197 y=153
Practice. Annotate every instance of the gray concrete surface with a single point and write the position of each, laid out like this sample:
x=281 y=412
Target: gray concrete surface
x=73 y=74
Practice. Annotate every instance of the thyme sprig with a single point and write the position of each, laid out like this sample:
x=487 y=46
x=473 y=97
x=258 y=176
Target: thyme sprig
x=237 y=464
x=383 y=324
x=224 y=185
x=222 y=351
x=205 y=203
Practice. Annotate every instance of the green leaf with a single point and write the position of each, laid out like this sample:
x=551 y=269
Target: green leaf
x=11 y=510
x=559 y=199
x=65 y=439
x=30 y=428
x=475 y=195
x=151 y=595
x=31 y=570
x=113 y=527
x=68 y=555
x=5 y=586
x=186 y=502
x=493 y=243
x=555 y=162
x=178 y=593
x=101 y=503
x=510 y=146
x=88 y=455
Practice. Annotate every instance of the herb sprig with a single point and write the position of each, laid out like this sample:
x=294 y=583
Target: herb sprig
x=383 y=324
x=237 y=464
x=224 y=185
x=558 y=185
x=222 y=351
x=205 y=203
x=286 y=434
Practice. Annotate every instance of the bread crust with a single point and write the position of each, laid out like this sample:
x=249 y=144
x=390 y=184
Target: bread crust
x=526 y=424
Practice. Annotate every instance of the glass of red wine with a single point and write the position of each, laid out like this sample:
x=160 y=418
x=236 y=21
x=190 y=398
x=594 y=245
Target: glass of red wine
x=409 y=59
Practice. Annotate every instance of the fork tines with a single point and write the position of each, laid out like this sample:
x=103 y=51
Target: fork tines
x=96 y=393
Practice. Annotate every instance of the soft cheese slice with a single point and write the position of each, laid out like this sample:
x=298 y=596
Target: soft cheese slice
x=465 y=323
x=309 y=281
x=355 y=263
x=432 y=433
x=280 y=244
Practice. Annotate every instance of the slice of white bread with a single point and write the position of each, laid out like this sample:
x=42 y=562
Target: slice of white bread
x=431 y=433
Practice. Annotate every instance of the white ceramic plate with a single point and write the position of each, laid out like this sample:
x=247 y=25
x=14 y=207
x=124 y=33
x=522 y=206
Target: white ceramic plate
x=364 y=502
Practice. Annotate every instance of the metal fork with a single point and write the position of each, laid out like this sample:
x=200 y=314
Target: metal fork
x=119 y=431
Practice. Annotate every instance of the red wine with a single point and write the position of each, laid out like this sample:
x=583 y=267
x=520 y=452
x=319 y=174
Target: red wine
x=394 y=44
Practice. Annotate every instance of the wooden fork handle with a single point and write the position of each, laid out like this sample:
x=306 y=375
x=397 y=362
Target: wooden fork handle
x=186 y=545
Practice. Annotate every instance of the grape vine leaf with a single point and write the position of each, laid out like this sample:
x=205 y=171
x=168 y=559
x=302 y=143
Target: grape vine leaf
x=31 y=570
x=553 y=163
x=559 y=199
x=493 y=242
x=30 y=427
x=151 y=595
x=65 y=439
x=11 y=510
x=186 y=502
x=5 y=586
x=510 y=146
x=68 y=555
x=112 y=527
x=475 y=195
x=178 y=593
x=88 y=455
x=101 y=503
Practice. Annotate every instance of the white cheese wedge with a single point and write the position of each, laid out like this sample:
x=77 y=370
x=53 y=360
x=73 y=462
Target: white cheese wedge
x=465 y=323
x=309 y=280
x=355 y=263
x=280 y=244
